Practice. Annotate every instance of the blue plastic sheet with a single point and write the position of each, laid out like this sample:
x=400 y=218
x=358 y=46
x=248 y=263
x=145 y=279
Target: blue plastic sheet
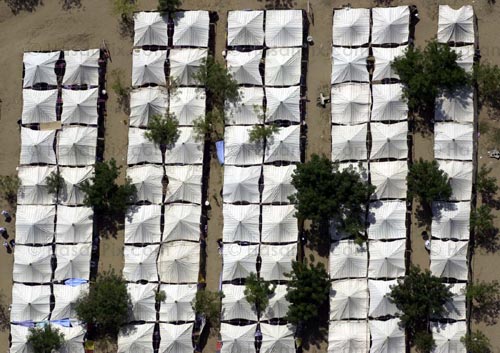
x=219 y=145
x=75 y=282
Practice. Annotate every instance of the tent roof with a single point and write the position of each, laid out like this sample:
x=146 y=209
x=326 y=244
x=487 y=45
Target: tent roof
x=349 y=299
x=136 y=338
x=140 y=149
x=244 y=66
x=82 y=67
x=384 y=57
x=191 y=28
x=179 y=262
x=277 y=338
x=148 y=67
x=142 y=224
x=186 y=149
x=148 y=181
x=278 y=305
x=387 y=336
x=248 y=109
x=184 y=63
x=457 y=107
x=460 y=174
x=150 y=28
x=65 y=299
x=74 y=224
x=176 y=338
x=349 y=142
x=238 y=150
x=388 y=103
x=177 y=305
x=277 y=261
x=389 y=179
x=465 y=56
x=140 y=263
x=187 y=104
x=35 y=224
x=358 y=167
x=283 y=66
x=387 y=220
x=39 y=106
x=278 y=183
x=73 y=180
x=235 y=305
x=351 y=27
x=241 y=184
x=455 y=308
x=80 y=107
x=239 y=261
x=143 y=301
x=347 y=260
x=37 y=146
x=279 y=224
x=283 y=104
x=348 y=336
x=284 y=146
x=40 y=68
x=245 y=28
x=146 y=102
x=19 y=339
x=284 y=28
x=74 y=337
x=380 y=305
x=33 y=189
x=73 y=261
x=387 y=259
x=453 y=141
x=389 y=140
x=350 y=103
x=449 y=259
x=456 y=25
x=30 y=303
x=241 y=223
x=390 y=25
x=32 y=265
x=349 y=65
x=76 y=145
x=451 y=220
x=447 y=336
x=184 y=183
x=237 y=338
x=182 y=222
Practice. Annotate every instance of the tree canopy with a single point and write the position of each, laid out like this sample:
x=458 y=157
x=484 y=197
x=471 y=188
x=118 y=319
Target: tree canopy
x=486 y=185
x=55 y=182
x=258 y=291
x=487 y=78
x=208 y=304
x=45 y=339
x=429 y=183
x=485 y=299
x=485 y=233
x=8 y=188
x=261 y=132
x=163 y=131
x=166 y=6
x=424 y=342
x=476 y=342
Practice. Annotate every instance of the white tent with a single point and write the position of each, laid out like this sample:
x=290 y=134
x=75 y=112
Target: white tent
x=148 y=67
x=388 y=103
x=380 y=305
x=239 y=261
x=460 y=176
x=348 y=337
x=186 y=149
x=142 y=224
x=140 y=149
x=349 y=299
x=447 y=337
x=451 y=220
x=237 y=338
x=283 y=66
x=279 y=224
x=184 y=63
x=349 y=65
x=455 y=308
x=387 y=259
x=241 y=184
x=453 y=141
x=245 y=28
x=146 y=102
x=351 y=27
x=235 y=305
x=283 y=104
x=32 y=264
x=65 y=300
x=35 y=224
x=387 y=220
x=349 y=142
x=389 y=178
x=284 y=28
x=33 y=189
x=176 y=338
x=74 y=224
x=77 y=145
x=143 y=301
x=277 y=261
x=278 y=305
x=278 y=183
x=248 y=109
x=387 y=336
x=73 y=261
x=187 y=104
x=177 y=305
x=150 y=28
x=449 y=259
x=350 y=103
x=30 y=303
x=82 y=67
x=389 y=140
x=384 y=57
x=284 y=146
x=391 y=25
x=37 y=146
x=465 y=57
x=347 y=260
x=40 y=68
x=136 y=339
x=191 y=28
x=184 y=183
x=244 y=66
x=148 y=182
x=359 y=167
x=179 y=262
x=241 y=223
x=238 y=149
x=19 y=339
x=74 y=337
x=80 y=107
x=277 y=338
x=140 y=263
x=73 y=180
x=458 y=107
x=456 y=25
x=39 y=106
x=182 y=222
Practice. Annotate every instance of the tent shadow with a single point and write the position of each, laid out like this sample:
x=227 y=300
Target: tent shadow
x=278 y=4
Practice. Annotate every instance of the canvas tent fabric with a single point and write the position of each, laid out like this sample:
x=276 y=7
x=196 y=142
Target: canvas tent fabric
x=40 y=68
x=148 y=181
x=455 y=308
x=35 y=224
x=182 y=222
x=148 y=67
x=187 y=104
x=65 y=300
x=278 y=184
x=358 y=167
x=30 y=303
x=177 y=305
x=384 y=57
x=74 y=337
x=73 y=181
x=348 y=337
x=82 y=67
x=349 y=65
x=80 y=106
x=447 y=336
x=388 y=103
x=279 y=224
x=235 y=305
x=277 y=338
x=347 y=260
x=284 y=28
x=150 y=28
x=239 y=261
x=349 y=299
x=457 y=107
x=387 y=220
x=453 y=141
x=391 y=25
x=39 y=106
x=73 y=261
x=245 y=28
x=389 y=178
x=241 y=184
x=140 y=149
x=380 y=305
x=449 y=259
x=244 y=66
x=389 y=140
x=387 y=259
x=465 y=57
x=284 y=146
x=37 y=146
x=74 y=224
x=451 y=220
x=19 y=339
x=184 y=63
x=277 y=261
x=283 y=66
x=248 y=109
x=33 y=189
x=456 y=25
x=241 y=223
x=186 y=149
x=143 y=301
x=176 y=338
x=146 y=102
x=350 y=103
x=191 y=28
x=136 y=338
x=349 y=142
x=387 y=336
x=77 y=145
x=283 y=104
x=179 y=262
x=237 y=338
x=140 y=263
x=460 y=176
x=184 y=183
x=142 y=224
x=351 y=27
x=278 y=305
x=32 y=264
x=237 y=147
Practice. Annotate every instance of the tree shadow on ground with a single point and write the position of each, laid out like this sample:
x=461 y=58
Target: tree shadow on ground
x=486 y=313
x=424 y=215
x=16 y=6
x=488 y=242
x=71 y=4
x=109 y=225
x=318 y=238
x=127 y=27
x=316 y=333
x=278 y=4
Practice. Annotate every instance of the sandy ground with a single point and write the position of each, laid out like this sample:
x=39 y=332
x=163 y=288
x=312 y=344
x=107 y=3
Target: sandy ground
x=50 y=27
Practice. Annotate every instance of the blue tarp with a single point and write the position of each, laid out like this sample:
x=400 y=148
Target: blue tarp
x=63 y=322
x=75 y=282
x=219 y=145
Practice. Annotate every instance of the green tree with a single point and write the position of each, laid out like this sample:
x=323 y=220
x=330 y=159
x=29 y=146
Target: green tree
x=424 y=342
x=160 y=296
x=476 y=342
x=167 y=6
x=487 y=78
x=55 y=182
x=107 y=304
x=8 y=188
x=486 y=185
x=261 y=133
x=45 y=339
x=485 y=232
x=308 y=291
x=208 y=304
x=428 y=182
x=258 y=291
x=163 y=131
x=485 y=299
x=209 y=127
